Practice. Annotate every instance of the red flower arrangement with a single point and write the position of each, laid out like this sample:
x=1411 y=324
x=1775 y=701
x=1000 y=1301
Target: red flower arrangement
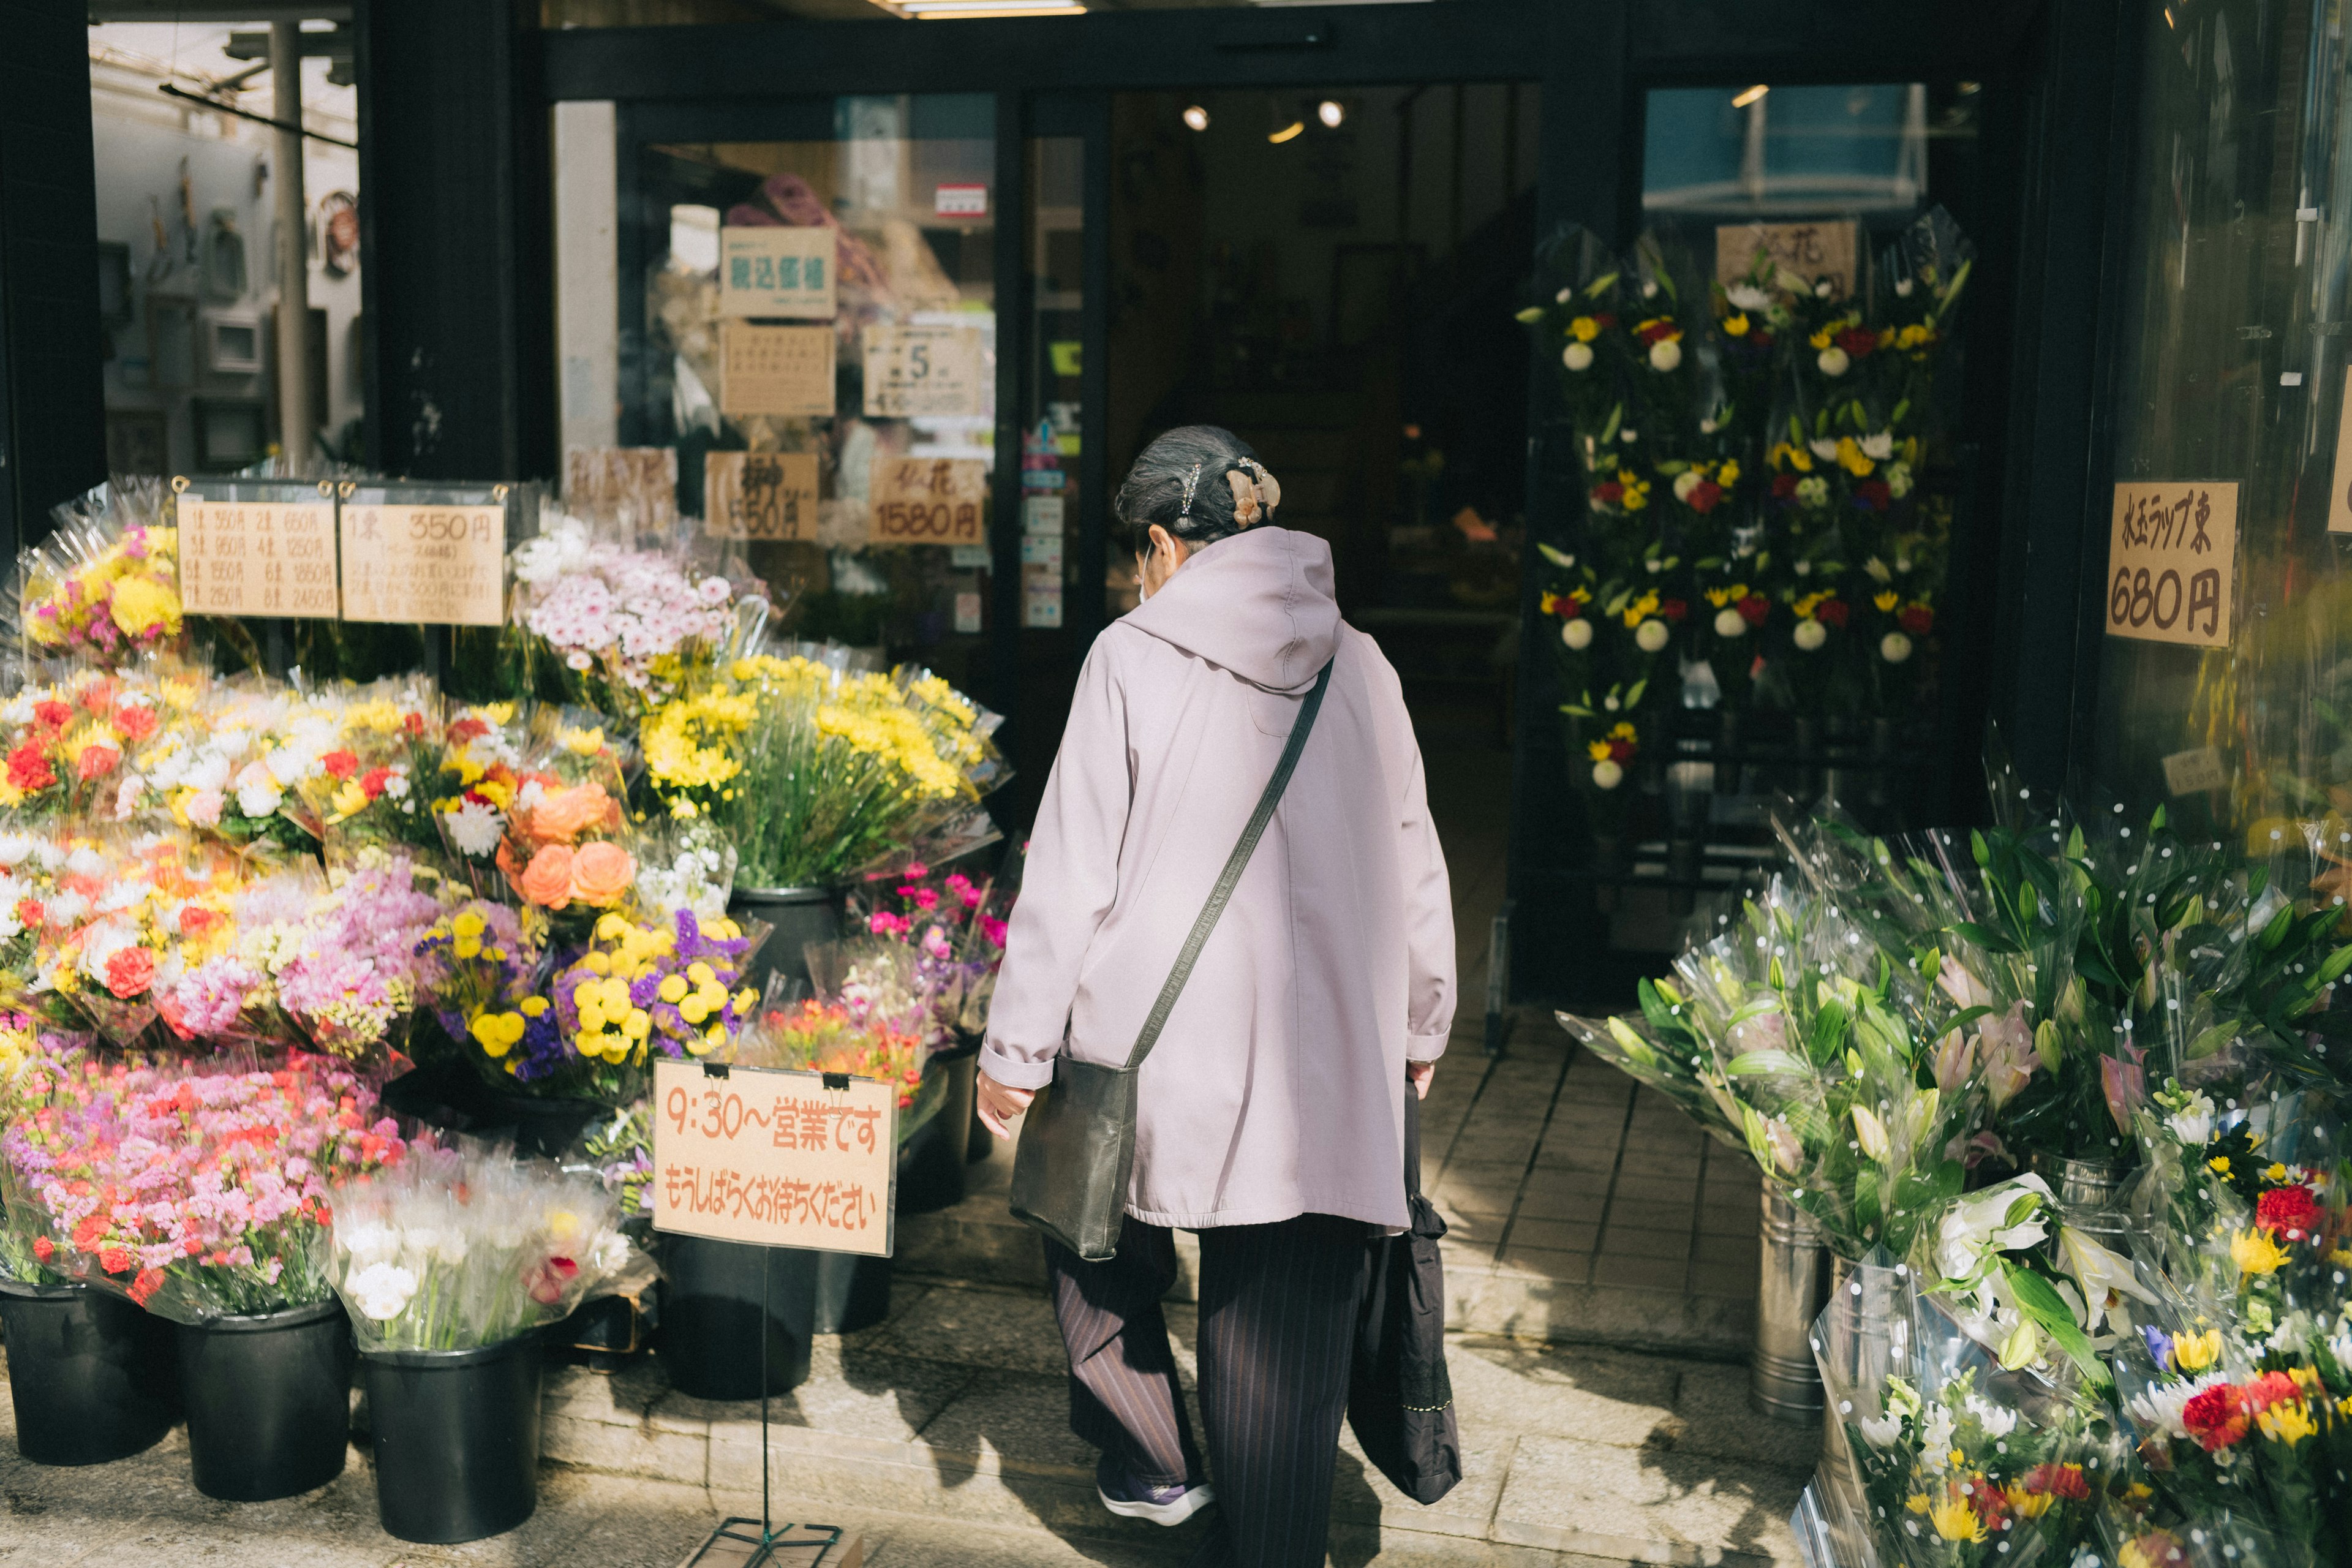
x=1705 y=497
x=1673 y=610
x=2218 y=1417
x=340 y=766
x=1916 y=620
x=2292 y=1209
x=1832 y=611
x=1754 y=608
x=1857 y=342
x=1609 y=493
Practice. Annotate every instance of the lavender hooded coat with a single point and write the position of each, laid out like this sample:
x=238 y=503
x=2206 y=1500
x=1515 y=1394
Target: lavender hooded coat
x=1277 y=1085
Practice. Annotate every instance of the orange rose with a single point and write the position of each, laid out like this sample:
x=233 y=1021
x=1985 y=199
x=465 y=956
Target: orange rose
x=601 y=873
x=562 y=813
x=547 y=881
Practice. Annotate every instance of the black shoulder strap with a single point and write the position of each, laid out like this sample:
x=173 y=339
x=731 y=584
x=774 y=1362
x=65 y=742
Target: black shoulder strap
x=1234 y=864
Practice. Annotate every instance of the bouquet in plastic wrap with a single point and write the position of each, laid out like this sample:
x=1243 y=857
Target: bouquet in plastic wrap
x=104 y=587
x=459 y=1248
x=474 y=785
x=198 y=1191
x=72 y=746
x=817 y=1036
x=950 y=928
x=369 y=791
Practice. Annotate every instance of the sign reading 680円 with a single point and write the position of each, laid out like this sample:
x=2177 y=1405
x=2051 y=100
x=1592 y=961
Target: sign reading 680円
x=2172 y=554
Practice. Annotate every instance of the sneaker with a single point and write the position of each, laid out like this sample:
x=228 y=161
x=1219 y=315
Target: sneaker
x=1131 y=1498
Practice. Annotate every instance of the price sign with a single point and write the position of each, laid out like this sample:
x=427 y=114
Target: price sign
x=770 y=271
x=777 y=1159
x=782 y=370
x=640 y=483
x=2172 y=553
x=925 y=371
x=441 y=565
x=1810 y=250
x=759 y=495
x=257 y=558
x=929 y=501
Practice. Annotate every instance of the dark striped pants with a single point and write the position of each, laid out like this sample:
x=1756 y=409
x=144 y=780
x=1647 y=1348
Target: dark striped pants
x=1278 y=1307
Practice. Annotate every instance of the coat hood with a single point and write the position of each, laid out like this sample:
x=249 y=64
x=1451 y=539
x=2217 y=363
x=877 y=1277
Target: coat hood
x=1258 y=603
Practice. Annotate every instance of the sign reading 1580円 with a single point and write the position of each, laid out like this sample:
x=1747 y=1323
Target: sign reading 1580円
x=440 y=565
x=929 y=501
x=257 y=558
x=2172 y=562
x=774 y=1158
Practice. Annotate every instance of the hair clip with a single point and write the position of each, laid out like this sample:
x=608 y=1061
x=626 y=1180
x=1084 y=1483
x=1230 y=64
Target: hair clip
x=1191 y=481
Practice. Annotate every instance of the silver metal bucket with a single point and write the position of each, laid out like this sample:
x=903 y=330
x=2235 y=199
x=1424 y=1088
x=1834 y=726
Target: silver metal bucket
x=1791 y=1286
x=1863 y=1334
x=2091 y=1195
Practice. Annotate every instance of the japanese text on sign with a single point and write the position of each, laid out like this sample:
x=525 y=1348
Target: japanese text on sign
x=772 y=271
x=439 y=565
x=1812 y=250
x=929 y=501
x=774 y=1158
x=257 y=558
x=782 y=370
x=2171 y=561
x=922 y=371
x=759 y=495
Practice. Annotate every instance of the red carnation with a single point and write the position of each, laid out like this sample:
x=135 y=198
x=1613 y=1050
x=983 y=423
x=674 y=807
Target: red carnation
x=150 y=1280
x=1856 y=342
x=116 y=1259
x=340 y=765
x=2062 y=1480
x=1705 y=497
x=1609 y=493
x=44 y=1248
x=372 y=781
x=1783 y=486
x=466 y=729
x=135 y=722
x=57 y=715
x=1754 y=608
x=1673 y=610
x=1570 y=608
x=130 y=971
x=1620 y=751
x=2217 y=1417
x=1917 y=620
x=2293 y=1210
x=1658 y=331
x=2259 y=1394
x=88 y=1232
x=1605 y=320
x=1832 y=612
x=29 y=770
x=412 y=722
x=196 y=919
x=96 y=762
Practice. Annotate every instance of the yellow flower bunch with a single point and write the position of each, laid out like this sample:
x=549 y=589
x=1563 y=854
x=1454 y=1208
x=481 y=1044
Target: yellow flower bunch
x=1584 y=329
x=1852 y=458
x=690 y=744
x=123 y=602
x=1724 y=598
x=1736 y=324
x=1784 y=455
x=1636 y=491
x=1641 y=610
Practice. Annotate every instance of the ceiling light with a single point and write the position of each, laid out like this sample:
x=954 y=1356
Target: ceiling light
x=1750 y=96
x=1329 y=113
x=1287 y=131
x=1197 y=118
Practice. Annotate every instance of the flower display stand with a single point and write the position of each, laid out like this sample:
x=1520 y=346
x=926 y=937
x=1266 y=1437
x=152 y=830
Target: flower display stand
x=92 y=1377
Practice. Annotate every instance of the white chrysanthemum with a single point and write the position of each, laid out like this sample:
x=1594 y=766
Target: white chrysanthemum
x=381 y=1291
x=16 y=848
x=1833 y=361
x=1729 y=623
x=2192 y=1124
x=84 y=861
x=1998 y=1420
x=474 y=828
x=2158 y=1410
x=258 y=791
x=1878 y=446
x=396 y=783
x=209 y=771
x=1607 y=775
x=1809 y=636
x=1747 y=297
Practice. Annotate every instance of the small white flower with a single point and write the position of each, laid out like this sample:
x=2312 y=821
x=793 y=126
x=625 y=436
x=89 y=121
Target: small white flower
x=1576 y=356
x=2193 y=1122
x=258 y=791
x=1747 y=297
x=1895 y=648
x=1729 y=623
x=381 y=1291
x=474 y=828
x=1666 y=356
x=1652 y=635
x=1898 y=485
x=1563 y=297
x=1880 y=1431
x=1607 y=775
x=1804 y=568
x=1577 y=634
x=1902 y=288
x=1998 y=1420
x=1686 y=481
x=397 y=785
x=1878 y=446
x=1809 y=635
x=1832 y=361
x=1823 y=447
x=1649 y=289
x=1822 y=288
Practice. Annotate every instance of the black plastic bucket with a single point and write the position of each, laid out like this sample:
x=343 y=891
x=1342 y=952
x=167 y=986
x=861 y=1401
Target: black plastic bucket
x=712 y=1322
x=91 y=1375
x=457 y=1438
x=832 y=1292
x=803 y=918
x=931 y=1160
x=269 y=1401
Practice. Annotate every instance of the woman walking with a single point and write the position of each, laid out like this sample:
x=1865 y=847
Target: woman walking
x=1270 y=1113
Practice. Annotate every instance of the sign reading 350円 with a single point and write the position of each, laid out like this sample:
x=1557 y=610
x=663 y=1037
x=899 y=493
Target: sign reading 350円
x=2172 y=556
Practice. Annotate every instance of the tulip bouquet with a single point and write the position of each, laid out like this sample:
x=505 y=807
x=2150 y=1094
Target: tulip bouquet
x=196 y=1192
x=459 y=1248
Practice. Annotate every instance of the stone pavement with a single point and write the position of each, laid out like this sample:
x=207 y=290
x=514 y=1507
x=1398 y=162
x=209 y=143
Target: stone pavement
x=1582 y=1208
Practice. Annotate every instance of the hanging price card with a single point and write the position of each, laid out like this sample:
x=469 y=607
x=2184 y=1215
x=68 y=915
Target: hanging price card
x=257 y=558
x=2172 y=551
x=759 y=495
x=924 y=372
x=776 y=272
x=777 y=1159
x=929 y=501
x=782 y=370
x=437 y=565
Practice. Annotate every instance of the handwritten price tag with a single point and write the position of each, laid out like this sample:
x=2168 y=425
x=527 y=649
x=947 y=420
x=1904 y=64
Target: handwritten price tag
x=2172 y=555
x=257 y=558
x=440 y=565
x=922 y=371
x=774 y=1158
x=929 y=501
x=786 y=372
x=759 y=495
